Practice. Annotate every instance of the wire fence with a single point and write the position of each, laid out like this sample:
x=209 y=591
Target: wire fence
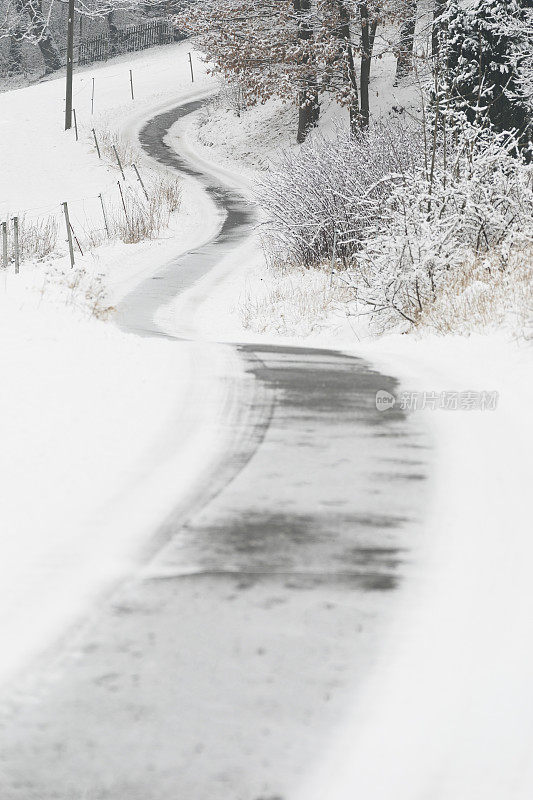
x=126 y=40
x=132 y=205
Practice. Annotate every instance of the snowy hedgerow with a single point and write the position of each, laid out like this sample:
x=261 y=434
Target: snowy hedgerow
x=334 y=187
x=474 y=205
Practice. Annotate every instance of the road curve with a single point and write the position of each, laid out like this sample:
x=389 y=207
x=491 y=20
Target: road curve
x=221 y=669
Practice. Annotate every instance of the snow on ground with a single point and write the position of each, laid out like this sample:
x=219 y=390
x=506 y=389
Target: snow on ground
x=43 y=165
x=103 y=433
x=449 y=712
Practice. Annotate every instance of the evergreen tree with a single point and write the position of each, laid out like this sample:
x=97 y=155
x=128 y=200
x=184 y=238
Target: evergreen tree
x=486 y=46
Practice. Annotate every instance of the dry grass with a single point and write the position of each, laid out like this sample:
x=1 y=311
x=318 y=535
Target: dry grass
x=481 y=297
x=37 y=238
x=81 y=290
x=296 y=302
x=145 y=219
x=108 y=139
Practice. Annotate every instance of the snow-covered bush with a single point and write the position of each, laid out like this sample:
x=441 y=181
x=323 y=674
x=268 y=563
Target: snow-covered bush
x=474 y=204
x=414 y=213
x=486 y=70
x=334 y=187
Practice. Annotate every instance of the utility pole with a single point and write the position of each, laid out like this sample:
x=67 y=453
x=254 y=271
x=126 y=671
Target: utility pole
x=70 y=64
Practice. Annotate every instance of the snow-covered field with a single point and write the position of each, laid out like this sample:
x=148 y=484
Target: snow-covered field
x=87 y=467
x=103 y=432
x=34 y=186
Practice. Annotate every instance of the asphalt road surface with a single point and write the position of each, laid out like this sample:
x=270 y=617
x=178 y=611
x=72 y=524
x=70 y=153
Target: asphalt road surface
x=221 y=668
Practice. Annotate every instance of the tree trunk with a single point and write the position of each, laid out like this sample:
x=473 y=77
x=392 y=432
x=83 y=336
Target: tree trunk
x=404 y=63
x=368 y=34
x=113 y=33
x=440 y=6
x=344 y=33
x=41 y=33
x=308 y=105
x=14 y=56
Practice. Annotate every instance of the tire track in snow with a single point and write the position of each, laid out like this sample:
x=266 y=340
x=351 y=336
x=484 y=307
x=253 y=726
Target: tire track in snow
x=222 y=668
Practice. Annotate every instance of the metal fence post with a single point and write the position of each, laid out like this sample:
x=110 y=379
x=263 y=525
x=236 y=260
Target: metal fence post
x=118 y=161
x=140 y=180
x=4 y=244
x=96 y=143
x=124 y=207
x=69 y=235
x=16 y=243
x=104 y=214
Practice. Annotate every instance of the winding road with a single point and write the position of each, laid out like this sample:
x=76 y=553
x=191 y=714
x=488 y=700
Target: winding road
x=220 y=669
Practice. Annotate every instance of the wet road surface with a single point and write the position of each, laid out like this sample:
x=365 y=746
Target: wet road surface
x=221 y=668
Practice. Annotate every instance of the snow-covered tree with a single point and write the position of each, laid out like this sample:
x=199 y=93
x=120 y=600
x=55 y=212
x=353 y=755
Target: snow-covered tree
x=27 y=20
x=295 y=48
x=42 y=23
x=407 y=39
x=485 y=70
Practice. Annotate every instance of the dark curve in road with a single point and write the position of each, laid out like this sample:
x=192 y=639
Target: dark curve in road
x=220 y=672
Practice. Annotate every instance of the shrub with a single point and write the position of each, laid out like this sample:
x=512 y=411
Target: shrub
x=334 y=185
x=415 y=213
x=474 y=206
x=37 y=238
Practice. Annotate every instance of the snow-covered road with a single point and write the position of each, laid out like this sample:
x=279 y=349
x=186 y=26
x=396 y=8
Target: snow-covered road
x=220 y=669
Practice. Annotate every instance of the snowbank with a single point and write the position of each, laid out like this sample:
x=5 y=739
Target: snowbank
x=449 y=711
x=103 y=433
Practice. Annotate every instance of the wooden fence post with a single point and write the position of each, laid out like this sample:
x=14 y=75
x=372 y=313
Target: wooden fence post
x=4 y=244
x=118 y=161
x=16 y=243
x=140 y=180
x=96 y=143
x=69 y=235
x=104 y=214
x=131 y=85
x=190 y=64
x=124 y=206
